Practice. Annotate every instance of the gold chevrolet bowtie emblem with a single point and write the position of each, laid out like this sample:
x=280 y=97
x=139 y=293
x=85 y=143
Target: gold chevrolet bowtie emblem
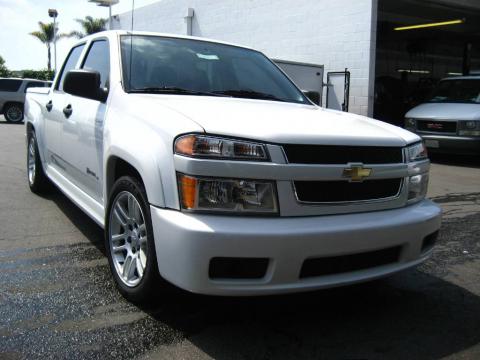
x=356 y=173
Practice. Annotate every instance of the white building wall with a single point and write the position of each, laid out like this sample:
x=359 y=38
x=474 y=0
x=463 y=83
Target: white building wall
x=336 y=33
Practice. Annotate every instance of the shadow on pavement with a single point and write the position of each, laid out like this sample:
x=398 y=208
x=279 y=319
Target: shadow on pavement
x=456 y=160
x=413 y=315
x=11 y=124
x=82 y=222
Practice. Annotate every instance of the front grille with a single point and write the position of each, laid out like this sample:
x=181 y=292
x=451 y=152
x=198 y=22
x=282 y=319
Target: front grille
x=342 y=191
x=349 y=263
x=332 y=154
x=437 y=126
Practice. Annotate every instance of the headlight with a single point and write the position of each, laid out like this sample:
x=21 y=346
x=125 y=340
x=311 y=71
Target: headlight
x=417 y=187
x=219 y=148
x=410 y=124
x=417 y=152
x=470 y=124
x=469 y=128
x=227 y=195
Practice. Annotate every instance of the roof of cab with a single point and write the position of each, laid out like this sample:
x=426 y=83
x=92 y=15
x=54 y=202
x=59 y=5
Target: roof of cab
x=116 y=33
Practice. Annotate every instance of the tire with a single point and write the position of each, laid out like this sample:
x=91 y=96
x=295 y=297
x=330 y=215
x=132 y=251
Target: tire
x=129 y=235
x=37 y=180
x=13 y=113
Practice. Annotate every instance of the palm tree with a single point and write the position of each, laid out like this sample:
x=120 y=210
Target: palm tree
x=90 y=26
x=46 y=35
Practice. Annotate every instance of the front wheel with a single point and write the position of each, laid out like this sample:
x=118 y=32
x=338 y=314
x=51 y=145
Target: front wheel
x=129 y=241
x=13 y=113
x=37 y=180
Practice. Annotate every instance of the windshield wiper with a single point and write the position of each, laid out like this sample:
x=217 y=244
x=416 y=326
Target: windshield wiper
x=250 y=94
x=172 y=90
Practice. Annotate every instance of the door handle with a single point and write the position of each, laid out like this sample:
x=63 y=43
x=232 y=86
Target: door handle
x=49 y=106
x=67 y=110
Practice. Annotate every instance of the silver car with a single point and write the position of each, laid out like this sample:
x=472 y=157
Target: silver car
x=12 y=96
x=450 y=121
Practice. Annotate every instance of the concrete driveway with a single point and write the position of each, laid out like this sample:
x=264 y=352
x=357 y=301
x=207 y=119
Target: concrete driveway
x=57 y=299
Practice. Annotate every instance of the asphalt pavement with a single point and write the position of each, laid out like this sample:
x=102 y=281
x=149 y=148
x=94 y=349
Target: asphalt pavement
x=57 y=299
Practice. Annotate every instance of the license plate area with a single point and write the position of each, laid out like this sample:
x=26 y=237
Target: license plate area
x=432 y=144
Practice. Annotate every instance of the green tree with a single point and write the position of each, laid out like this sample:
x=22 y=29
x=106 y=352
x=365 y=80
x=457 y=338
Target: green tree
x=38 y=74
x=4 y=72
x=46 y=35
x=90 y=26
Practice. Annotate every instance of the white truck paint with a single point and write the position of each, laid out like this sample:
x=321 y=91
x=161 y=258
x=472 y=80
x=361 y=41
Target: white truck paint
x=83 y=145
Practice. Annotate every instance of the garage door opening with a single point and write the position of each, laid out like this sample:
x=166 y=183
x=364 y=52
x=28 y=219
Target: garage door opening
x=418 y=44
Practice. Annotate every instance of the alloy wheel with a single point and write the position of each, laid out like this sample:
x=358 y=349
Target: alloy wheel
x=32 y=169
x=128 y=238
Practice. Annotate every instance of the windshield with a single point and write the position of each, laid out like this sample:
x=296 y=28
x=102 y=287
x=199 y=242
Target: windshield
x=192 y=67
x=457 y=91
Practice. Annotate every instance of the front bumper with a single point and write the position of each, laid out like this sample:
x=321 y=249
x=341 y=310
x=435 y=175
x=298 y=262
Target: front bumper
x=453 y=144
x=185 y=244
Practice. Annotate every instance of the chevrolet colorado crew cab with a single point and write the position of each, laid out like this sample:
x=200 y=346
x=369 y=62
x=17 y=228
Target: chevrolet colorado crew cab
x=209 y=169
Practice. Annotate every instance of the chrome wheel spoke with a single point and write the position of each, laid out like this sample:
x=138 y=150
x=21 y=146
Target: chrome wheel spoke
x=132 y=268
x=127 y=265
x=121 y=214
x=139 y=268
x=119 y=237
x=119 y=248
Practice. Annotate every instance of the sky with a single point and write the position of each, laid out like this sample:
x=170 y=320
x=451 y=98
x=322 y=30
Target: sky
x=20 y=17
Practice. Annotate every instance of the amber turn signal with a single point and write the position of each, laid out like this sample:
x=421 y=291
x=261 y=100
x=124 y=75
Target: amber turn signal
x=188 y=190
x=185 y=144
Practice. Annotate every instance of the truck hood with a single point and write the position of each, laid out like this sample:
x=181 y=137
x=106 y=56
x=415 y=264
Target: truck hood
x=445 y=111
x=280 y=122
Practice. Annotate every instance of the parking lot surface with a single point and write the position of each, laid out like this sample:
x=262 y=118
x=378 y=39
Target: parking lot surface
x=57 y=299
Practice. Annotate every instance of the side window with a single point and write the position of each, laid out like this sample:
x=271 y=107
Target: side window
x=69 y=64
x=98 y=59
x=10 y=85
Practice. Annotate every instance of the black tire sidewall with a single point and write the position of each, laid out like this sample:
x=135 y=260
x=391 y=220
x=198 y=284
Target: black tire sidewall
x=151 y=278
x=5 y=113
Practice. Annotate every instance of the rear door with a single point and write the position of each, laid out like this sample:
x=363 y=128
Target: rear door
x=83 y=129
x=55 y=116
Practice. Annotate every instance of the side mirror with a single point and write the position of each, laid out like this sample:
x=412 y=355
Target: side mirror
x=84 y=83
x=314 y=96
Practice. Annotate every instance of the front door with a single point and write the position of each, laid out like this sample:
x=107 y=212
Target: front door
x=54 y=114
x=83 y=128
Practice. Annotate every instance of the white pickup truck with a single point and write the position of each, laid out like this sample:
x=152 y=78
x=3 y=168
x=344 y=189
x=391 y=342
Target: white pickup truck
x=208 y=168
